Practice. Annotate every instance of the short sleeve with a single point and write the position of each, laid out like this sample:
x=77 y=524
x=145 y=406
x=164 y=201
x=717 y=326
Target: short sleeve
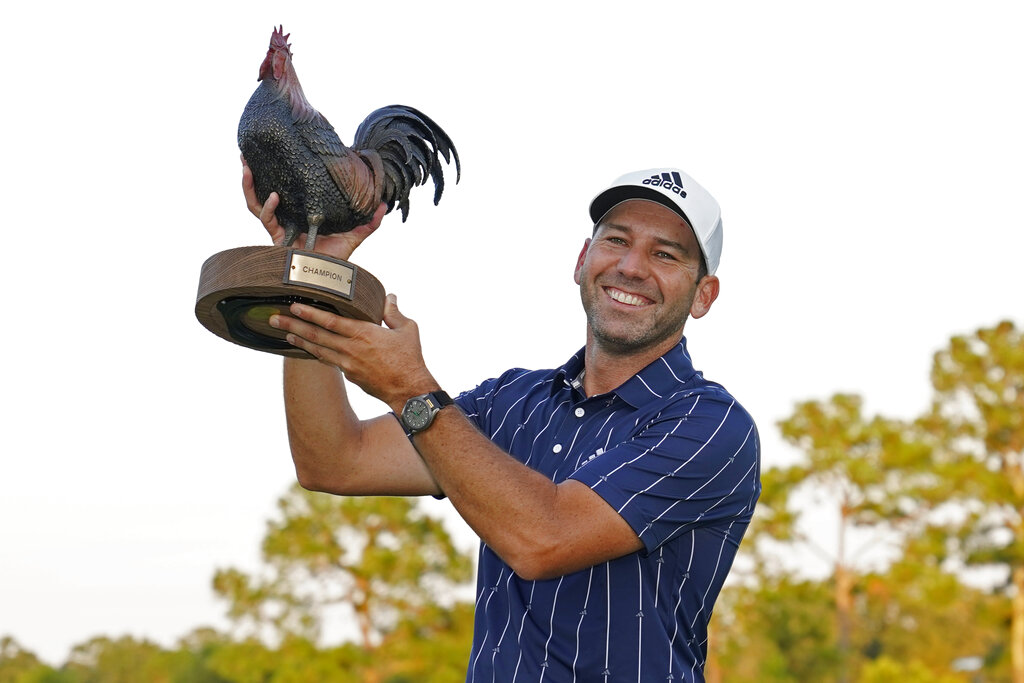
x=693 y=466
x=490 y=396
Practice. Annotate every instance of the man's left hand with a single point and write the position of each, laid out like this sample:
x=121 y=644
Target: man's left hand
x=385 y=362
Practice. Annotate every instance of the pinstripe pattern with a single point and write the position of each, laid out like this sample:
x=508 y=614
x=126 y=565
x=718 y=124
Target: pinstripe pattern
x=678 y=458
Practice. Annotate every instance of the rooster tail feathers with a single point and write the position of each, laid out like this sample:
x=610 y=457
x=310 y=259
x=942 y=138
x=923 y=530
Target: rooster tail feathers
x=410 y=146
x=443 y=142
x=443 y=145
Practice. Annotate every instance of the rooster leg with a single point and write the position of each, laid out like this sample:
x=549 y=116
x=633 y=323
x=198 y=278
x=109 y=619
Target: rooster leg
x=314 y=220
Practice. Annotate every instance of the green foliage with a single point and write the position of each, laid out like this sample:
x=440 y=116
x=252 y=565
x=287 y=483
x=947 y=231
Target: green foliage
x=977 y=424
x=977 y=418
x=296 y=660
x=125 y=660
x=863 y=466
x=949 y=486
x=433 y=645
x=866 y=465
x=384 y=560
x=780 y=629
x=908 y=612
x=18 y=665
x=378 y=557
x=885 y=670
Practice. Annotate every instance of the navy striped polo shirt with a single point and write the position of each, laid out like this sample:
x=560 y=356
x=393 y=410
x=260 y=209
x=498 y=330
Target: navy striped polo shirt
x=679 y=459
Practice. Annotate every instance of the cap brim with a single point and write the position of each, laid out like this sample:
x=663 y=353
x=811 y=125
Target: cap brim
x=613 y=196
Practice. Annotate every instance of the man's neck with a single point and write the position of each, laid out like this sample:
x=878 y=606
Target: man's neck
x=605 y=370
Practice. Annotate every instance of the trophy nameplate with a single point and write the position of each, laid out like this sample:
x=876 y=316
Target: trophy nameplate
x=239 y=289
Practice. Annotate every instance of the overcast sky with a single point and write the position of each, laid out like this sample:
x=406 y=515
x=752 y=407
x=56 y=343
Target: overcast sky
x=867 y=157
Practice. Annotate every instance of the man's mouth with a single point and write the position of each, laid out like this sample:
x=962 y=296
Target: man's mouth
x=627 y=298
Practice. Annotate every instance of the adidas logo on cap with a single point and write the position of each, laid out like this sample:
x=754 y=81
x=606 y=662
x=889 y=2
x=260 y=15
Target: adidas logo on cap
x=669 y=180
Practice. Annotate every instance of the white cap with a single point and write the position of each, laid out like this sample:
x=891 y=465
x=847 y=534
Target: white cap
x=677 y=191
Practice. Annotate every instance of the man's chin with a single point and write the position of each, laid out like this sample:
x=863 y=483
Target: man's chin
x=622 y=337
x=624 y=344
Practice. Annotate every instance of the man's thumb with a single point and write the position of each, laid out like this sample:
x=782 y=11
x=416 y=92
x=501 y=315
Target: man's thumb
x=392 y=316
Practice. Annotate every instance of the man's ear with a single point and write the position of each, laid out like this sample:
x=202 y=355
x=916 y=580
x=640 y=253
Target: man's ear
x=707 y=292
x=580 y=259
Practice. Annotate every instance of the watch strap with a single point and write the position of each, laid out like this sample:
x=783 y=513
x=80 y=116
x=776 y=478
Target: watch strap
x=441 y=398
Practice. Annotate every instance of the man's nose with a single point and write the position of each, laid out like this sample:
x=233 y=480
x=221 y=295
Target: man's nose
x=633 y=264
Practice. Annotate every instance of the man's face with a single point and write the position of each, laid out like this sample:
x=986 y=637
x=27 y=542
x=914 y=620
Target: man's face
x=638 y=278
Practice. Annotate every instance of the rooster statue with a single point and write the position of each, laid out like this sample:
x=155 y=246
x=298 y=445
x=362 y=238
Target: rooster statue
x=324 y=186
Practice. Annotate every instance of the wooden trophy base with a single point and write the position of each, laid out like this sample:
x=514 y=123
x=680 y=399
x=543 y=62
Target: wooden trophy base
x=239 y=289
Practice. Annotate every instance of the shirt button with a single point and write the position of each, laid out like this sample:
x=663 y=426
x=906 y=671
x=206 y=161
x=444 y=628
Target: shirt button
x=557 y=448
x=580 y=412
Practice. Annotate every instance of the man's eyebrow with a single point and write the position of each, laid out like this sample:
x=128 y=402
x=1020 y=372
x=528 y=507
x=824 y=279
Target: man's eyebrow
x=665 y=242
x=612 y=226
x=673 y=244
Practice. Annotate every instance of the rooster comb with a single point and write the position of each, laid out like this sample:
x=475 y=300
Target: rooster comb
x=279 y=39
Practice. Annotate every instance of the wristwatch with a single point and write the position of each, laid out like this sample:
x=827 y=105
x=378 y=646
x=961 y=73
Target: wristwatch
x=419 y=411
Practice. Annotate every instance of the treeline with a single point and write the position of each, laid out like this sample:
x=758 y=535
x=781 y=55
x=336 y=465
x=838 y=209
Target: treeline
x=943 y=492
x=432 y=647
x=379 y=565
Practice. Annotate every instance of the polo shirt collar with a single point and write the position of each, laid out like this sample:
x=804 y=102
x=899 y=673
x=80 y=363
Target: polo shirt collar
x=659 y=379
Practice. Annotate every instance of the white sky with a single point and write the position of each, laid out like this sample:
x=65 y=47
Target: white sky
x=867 y=156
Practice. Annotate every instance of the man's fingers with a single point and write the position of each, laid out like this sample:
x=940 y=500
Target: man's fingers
x=312 y=338
x=269 y=219
x=392 y=316
x=361 y=232
x=321 y=318
x=249 y=190
x=319 y=326
x=331 y=339
x=266 y=212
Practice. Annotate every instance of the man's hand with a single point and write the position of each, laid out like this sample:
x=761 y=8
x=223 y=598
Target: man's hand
x=340 y=245
x=385 y=362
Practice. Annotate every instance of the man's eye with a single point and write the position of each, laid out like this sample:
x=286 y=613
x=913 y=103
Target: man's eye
x=666 y=255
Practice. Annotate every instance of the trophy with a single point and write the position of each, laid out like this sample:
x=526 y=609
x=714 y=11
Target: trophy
x=239 y=289
x=324 y=188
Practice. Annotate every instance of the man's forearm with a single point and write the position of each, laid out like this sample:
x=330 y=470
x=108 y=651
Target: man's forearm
x=336 y=452
x=496 y=495
x=540 y=529
x=321 y=422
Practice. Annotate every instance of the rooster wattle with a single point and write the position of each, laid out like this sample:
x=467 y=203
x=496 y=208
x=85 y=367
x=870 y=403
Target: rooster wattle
x=324 y=186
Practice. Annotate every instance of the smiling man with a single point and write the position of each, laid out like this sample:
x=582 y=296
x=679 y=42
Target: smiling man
x=610 y=494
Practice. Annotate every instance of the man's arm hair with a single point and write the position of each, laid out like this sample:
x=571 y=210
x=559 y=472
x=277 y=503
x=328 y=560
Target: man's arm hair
x=336 y=452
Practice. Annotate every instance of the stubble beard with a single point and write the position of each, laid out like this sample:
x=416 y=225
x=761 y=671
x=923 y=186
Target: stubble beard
x=642 y=335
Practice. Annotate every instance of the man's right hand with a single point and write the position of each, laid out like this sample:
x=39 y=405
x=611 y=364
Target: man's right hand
x=340 y=245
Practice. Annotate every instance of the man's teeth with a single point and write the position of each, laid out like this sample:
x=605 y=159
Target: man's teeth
x=624 y=298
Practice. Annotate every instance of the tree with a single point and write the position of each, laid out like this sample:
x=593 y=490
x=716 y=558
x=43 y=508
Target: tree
x=909 y=612
x=379 y=558
x=433 y=646
x=294 y=660
x=977 y=424
x=855 y=464
x=886 y=670
x=18 y=665
x=124 y=660
x=778 y=628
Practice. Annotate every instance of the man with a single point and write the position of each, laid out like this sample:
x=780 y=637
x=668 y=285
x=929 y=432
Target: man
x=610 y=494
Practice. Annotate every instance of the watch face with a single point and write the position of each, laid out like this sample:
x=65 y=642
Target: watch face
x=416 y=414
